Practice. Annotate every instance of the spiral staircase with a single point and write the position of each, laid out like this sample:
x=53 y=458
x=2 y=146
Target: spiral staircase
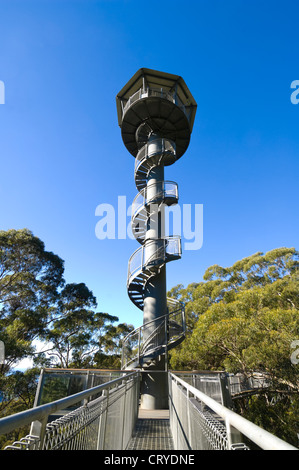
x=156 y=112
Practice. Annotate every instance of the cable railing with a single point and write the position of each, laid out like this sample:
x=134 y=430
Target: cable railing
x=105 y=421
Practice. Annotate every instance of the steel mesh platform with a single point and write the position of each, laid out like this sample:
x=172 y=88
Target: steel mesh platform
x=152 y=431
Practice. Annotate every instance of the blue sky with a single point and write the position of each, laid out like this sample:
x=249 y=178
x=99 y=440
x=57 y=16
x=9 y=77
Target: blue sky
x=63 y=62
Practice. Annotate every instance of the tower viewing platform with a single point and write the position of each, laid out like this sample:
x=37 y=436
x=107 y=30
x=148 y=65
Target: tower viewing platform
x=156 y=113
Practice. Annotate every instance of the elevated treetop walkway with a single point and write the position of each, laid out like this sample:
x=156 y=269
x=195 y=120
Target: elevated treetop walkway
x=105 y=416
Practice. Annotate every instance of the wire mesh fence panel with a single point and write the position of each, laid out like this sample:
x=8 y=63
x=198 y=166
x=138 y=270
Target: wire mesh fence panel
x=193 y=425
x=106 y=422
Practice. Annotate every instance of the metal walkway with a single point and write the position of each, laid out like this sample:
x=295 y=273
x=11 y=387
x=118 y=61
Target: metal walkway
x=152 y=431
x=109 y=418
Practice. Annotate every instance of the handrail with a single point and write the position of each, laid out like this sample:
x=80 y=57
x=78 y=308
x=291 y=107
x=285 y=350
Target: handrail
x=168 y=189
x=41 y=412
x=159 y=146
x=160 y=93
x=145 y=93
x=259 y=436
x=159 y=321
x=136 y=330
x=162 y=243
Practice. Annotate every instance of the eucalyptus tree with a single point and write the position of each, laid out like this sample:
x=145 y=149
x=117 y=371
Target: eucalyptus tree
x=245 y=319
x=30 y=281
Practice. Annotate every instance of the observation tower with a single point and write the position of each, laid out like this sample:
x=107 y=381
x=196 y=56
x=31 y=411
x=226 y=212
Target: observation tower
x=156 y=112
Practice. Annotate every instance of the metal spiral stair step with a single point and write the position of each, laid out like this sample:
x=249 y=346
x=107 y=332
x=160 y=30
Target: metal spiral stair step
x=171 y=332
x=137 y=280
x=142 y=215
x=145 y=162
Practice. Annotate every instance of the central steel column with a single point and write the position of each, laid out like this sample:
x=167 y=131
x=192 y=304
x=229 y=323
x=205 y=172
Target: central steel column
x=155 y=386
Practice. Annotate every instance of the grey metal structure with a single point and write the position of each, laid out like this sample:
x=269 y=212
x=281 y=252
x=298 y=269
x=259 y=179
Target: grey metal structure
x=104 y=418
x=156 y=113
x=197 y=421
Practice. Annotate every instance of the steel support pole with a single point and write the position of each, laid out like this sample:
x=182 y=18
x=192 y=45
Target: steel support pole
x=154 y=388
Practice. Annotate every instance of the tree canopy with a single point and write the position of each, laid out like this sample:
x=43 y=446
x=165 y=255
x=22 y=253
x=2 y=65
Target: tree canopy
x=37 y=304
x=244 y=319
x=242 y=315
x=30 y=278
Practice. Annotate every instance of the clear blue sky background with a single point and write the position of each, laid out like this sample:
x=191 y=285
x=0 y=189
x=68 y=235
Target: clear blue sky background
x=63 y=62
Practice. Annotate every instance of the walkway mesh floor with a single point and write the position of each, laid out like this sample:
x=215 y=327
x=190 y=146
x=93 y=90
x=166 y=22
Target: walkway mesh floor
x=151 y=434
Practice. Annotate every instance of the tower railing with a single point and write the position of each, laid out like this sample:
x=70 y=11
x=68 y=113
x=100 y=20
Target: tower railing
x=154 y=337
x=161 y=147
x=160 y=151
x=161 y=250
x=159 y=93
x=166 y=190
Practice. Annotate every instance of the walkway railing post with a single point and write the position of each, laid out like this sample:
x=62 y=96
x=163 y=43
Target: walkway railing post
x=103 y=421
x=139 y=341
x=38 y=429
x=123 y=414
x=189 y=420
x=166 y=339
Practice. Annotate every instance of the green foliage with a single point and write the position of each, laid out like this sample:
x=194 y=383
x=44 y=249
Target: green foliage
x=276 y=412
x=18 y=390
x=30 y=278
x=17 y=394
x=244 y=318
x=35 y=303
